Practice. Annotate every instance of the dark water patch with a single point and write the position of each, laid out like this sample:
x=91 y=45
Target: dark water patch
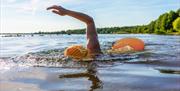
x=154 y=44
x=157 y=56
x=59 y=43
x=5 y=58
x=28 y=80
x=71 y=42
x=168 y=70
x=35 y=45
x=106 y=45
x=154 y=62
x=49 y=52
x=158 y=59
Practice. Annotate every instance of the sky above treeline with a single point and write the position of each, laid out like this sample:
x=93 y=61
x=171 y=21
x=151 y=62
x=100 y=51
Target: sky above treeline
x=25 y=16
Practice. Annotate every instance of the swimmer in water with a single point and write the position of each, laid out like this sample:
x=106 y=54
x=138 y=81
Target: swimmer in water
x=93 y=46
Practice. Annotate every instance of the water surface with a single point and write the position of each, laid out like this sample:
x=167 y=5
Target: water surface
x=36 y=64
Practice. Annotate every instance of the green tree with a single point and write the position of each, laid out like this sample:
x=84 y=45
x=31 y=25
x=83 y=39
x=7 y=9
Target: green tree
x=158 y=22
x=164 y=22
x=178 y=12
x=160 y=32
x=171 y=17
x=151 y=27
x=176 y=24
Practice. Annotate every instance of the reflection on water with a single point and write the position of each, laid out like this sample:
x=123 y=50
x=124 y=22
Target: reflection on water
x=168 y=70
x=90 y=74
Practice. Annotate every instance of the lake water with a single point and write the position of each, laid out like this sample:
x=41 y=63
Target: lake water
x=36 y=63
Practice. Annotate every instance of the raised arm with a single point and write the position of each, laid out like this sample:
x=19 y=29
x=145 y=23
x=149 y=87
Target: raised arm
x=92 y=37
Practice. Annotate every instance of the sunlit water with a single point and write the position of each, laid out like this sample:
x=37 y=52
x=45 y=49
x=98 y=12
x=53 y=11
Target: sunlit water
x=36 y=63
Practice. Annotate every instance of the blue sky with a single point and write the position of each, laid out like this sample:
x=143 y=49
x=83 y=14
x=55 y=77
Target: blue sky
x=31 y=15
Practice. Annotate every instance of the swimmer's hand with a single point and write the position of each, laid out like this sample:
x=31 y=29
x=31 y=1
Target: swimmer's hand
x=58 y=10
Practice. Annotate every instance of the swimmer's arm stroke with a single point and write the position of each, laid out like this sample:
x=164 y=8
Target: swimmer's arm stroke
x=92 y=37
x=62 y=11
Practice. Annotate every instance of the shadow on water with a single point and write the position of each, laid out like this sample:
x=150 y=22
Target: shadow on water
x=90 y=74
x=168 y=70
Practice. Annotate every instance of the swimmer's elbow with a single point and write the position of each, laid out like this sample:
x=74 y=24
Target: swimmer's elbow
x=90 y=20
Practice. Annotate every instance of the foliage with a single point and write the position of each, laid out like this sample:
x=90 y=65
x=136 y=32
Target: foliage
x=176 y=24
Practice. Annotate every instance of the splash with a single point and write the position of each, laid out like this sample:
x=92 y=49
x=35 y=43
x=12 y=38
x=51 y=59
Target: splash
x=7 y=64
x=55 y=58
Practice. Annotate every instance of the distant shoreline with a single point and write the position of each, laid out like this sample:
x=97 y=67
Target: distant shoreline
x=42 y=34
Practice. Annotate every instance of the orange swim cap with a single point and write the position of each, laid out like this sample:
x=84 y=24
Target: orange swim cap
x=76 y=52
x=135 y=43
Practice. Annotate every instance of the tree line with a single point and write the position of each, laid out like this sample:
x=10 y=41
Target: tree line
x=167 y=23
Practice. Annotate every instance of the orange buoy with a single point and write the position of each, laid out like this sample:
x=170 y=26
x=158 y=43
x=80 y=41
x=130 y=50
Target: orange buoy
x=76 y=52
x=135 y=43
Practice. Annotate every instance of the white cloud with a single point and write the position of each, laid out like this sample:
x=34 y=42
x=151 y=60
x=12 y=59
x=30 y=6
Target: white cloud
x=8 y=1
x=32 y=6
x=11 y=1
